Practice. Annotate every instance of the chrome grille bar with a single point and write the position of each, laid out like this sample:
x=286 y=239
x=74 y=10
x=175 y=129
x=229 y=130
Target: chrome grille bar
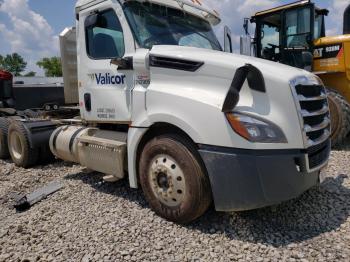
x=326 y=123
x=306 y=113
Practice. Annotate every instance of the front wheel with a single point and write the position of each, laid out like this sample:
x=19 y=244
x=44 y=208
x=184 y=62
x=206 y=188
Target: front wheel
x=173 y=179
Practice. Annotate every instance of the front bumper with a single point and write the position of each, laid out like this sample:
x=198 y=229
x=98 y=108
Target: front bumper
x=247 y=179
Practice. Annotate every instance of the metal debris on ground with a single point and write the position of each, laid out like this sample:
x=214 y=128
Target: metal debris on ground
x=24 y=202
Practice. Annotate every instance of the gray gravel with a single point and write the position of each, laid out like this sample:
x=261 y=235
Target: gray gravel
x=89 y=220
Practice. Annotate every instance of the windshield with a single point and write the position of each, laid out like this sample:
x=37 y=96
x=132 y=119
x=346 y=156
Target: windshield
x=159 y=25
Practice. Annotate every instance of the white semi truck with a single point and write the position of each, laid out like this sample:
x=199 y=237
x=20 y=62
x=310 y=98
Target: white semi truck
x=163 y=104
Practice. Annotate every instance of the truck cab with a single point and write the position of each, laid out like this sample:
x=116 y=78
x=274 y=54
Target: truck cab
x=114 y=43
x=164 y=105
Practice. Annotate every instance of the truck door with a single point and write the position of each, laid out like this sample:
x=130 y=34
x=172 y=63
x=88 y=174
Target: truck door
x=105 y=89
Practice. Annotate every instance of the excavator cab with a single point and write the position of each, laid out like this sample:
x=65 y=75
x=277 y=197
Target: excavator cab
x=286 y=34
x=295 y=35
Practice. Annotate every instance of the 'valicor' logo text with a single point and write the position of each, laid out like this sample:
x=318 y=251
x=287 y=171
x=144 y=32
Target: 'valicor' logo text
x=108 y=79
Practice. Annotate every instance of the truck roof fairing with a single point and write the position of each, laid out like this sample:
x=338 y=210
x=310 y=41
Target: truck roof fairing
x=194 y=7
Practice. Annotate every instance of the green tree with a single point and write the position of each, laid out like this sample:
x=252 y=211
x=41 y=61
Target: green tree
x=13 y=63
x=30 y=74
x=52 y=66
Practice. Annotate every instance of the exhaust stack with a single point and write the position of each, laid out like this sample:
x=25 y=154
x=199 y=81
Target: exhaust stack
x=347 y=20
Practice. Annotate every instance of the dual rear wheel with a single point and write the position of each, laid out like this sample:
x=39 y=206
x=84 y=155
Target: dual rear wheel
x=15 y=144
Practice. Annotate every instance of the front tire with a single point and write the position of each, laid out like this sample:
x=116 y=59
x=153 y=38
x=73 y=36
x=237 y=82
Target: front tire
x=19 y=147
x=340 y=118
x=173 y=179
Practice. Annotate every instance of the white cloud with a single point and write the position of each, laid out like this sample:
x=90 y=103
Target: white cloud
x=29 y=34
x=336 y=16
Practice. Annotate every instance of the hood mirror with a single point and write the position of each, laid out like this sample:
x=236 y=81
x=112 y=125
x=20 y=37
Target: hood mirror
x=255 y=80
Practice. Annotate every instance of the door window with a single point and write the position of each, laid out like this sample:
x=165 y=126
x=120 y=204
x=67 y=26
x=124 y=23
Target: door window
x=105 y=38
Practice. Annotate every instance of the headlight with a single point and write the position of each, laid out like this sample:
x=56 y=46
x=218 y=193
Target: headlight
x=255 y=129
x=309 y=79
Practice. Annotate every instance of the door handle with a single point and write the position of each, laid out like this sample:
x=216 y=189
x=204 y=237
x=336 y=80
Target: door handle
x=87 y=102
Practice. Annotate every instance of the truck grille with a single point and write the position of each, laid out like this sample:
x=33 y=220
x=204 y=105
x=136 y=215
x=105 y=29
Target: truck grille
x=314 y=116
x=314 y=113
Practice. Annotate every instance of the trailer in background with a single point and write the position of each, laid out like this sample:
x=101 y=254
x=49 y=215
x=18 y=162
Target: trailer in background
x=29 y=111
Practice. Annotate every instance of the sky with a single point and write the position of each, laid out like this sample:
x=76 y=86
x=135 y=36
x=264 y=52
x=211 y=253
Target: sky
x=31 y=27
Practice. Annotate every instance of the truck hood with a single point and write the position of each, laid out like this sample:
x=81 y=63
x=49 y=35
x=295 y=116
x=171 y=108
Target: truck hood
x=214 y=77
x=224 y=60
x=178 y=95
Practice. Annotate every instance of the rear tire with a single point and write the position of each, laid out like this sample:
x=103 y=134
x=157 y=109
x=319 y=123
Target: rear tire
x=340 y=118
x=19 y=147
x=173 y=179
x=4 y=127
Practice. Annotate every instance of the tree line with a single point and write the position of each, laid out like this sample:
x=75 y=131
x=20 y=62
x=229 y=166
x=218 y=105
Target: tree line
x=16 y=64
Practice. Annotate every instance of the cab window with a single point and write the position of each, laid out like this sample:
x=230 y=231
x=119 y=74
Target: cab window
x=105 y=39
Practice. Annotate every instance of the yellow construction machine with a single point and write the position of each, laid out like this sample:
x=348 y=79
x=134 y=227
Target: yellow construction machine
x=295 y=34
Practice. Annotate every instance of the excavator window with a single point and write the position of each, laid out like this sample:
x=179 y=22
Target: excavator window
x=298 y=28
x=270 y=42
x=319 y=30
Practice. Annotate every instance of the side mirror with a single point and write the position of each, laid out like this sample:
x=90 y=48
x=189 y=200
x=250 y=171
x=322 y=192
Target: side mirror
x=91 y=20
x=125 y=63
x=246 y=26
x=228 y=40
x=246 y=45
x=246 y=40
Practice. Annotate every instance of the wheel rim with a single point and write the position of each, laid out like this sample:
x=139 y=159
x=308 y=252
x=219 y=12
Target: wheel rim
x=16 y=145
x=167 y=180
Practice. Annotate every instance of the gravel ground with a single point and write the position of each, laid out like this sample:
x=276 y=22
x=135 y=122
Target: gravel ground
x=89 y=220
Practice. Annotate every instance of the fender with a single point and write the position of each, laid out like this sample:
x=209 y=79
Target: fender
x=39 y=132
x=136 y=134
